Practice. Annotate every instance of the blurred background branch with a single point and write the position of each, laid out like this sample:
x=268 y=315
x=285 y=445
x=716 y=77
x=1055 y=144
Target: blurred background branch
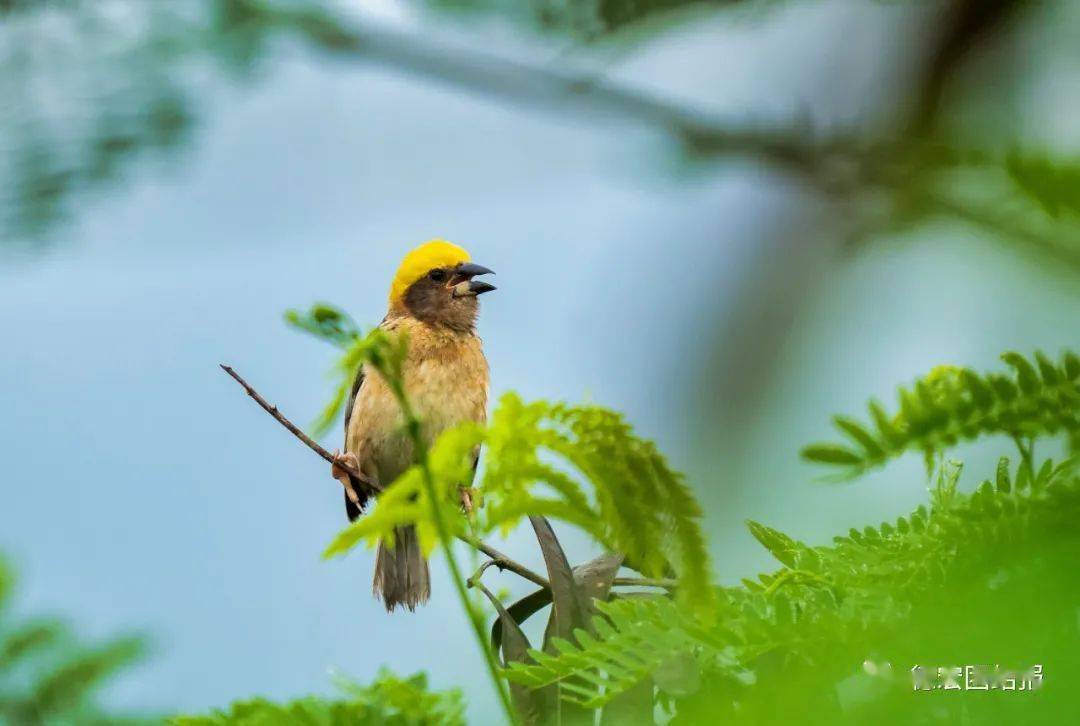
x=97 y=83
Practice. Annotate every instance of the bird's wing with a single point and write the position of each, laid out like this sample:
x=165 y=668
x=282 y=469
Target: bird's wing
x=352 y=510
x=359 y=381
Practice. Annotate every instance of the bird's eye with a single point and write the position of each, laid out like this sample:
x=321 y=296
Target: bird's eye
x=438 y=275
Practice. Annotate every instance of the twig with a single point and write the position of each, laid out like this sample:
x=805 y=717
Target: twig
x=500 y=560
x=497 y=558
x=420 y=454
x=474 y=579
x=311 y=443
x=665 y=582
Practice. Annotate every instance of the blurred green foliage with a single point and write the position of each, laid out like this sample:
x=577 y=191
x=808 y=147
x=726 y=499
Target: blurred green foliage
x=833 y=636
x=859 y=629
x=47 y=676
x=389 y=700
x=964 y=610
x=334 y=326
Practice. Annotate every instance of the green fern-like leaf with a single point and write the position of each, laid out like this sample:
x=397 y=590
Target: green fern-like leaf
x=633 y=638
x=1039 y=397
x=382 y=352
x=406 y=501
x=579 y=464
x=782 y=547
x=326 y=322
x=826 y=599
x=389 y=700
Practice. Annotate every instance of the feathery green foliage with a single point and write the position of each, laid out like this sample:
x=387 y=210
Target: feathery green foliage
x=961 y=564
x=325 y=322
x=828 y=636
x=422 y=500
x=48 y=677
x=631 y=640
x=539 y=456
x=333 y=325
x=405 y=501
x=1037 y=397
x=834 y=634
x=389 y=700
x=579 y=464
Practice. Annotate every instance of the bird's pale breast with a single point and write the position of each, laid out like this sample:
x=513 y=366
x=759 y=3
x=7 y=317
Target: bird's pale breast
x=446 y=378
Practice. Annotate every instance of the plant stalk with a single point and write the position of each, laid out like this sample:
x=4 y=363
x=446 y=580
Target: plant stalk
x=413 y=427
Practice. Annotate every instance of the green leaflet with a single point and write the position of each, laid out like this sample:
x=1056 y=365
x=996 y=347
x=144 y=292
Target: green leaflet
x=827 y=609
x=782 y=547
x=389 y=699
x=1038 y=397
x=326 y=322
x=580 y=464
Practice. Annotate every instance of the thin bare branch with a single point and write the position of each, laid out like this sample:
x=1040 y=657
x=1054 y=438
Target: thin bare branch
x=666 y=583
x=500 y=560
x=497 y=558
x=310 y=442
x=474 y=579
x=505 y=563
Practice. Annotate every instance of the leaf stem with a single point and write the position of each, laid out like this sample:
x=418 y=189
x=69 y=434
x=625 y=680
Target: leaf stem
x=413 y=427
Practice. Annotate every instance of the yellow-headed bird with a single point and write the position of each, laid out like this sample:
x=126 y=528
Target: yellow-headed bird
x=433 y=298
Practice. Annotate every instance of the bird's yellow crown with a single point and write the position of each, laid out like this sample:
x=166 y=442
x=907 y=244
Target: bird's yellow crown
x=431 y=254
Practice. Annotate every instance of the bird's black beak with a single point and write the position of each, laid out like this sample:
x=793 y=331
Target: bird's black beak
x=465 y=286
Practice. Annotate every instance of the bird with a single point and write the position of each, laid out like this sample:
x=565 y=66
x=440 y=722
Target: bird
x=434 y=301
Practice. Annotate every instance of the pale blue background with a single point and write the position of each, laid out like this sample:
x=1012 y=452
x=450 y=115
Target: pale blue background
x=143 y=489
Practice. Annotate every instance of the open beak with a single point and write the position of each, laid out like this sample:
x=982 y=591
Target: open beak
x=463 y=283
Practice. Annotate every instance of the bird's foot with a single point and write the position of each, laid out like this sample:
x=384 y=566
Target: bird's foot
x=469 y=499
x=339 y=469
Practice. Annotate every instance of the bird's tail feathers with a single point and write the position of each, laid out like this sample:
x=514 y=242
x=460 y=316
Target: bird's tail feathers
x=401 y=572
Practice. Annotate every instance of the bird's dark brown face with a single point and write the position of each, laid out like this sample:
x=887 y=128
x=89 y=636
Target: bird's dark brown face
x=447 y=295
